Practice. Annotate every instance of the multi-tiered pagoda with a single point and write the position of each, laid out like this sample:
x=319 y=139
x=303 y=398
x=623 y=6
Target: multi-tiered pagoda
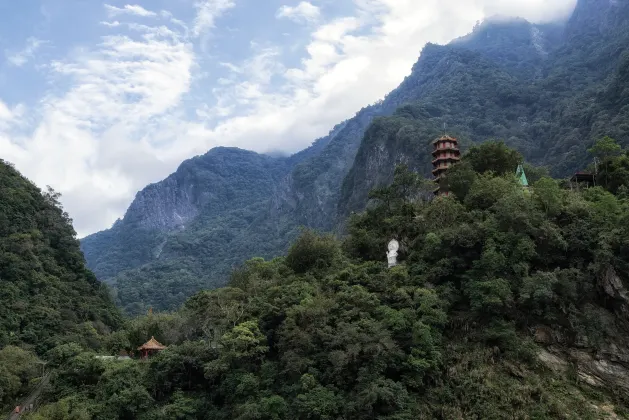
x=446 y=153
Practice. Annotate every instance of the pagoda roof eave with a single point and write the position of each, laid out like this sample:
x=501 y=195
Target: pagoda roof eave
x=152 y=344
x=444 y=138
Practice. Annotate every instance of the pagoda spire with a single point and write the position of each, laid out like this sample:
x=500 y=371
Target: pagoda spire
x=446 y=153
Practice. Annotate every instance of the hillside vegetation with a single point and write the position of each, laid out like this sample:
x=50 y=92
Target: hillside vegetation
x=47 y=295
x=186 y=233
x=507 y=303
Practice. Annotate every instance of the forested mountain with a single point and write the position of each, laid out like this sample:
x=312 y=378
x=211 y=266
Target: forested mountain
x=47 y=296
x=546 y=90
x=189 y=231
x=507 y=303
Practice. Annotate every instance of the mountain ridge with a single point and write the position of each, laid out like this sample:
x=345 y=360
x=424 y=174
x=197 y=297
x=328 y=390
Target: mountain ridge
x=513 y=80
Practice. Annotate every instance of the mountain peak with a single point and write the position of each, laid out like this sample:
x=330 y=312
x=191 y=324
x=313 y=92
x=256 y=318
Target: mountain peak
x=598 y=16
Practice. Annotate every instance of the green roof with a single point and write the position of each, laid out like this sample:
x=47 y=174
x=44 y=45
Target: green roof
x=519 y=173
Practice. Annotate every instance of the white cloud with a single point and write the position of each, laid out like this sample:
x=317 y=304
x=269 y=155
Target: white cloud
x=20 y=58
x=137 y=105
x=98 y=142
x=130 y=9
x=231 y=67
x=5 y=112
x=113 y=24
x=207 y=13
x=303 y=12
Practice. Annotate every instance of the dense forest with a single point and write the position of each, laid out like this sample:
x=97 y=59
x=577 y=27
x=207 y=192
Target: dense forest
x=507 y=302
x=48 y=298
x=547 y=90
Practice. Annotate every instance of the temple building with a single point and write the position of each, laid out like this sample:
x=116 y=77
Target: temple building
x=582 y=180
x=150 y=348
x=446 y=153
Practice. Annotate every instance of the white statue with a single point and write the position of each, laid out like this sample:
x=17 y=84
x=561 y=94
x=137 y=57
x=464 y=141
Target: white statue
x=394 y=246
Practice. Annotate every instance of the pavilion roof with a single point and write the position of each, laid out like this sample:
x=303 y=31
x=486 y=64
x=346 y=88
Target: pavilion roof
x=152 y=344
x=519 y=173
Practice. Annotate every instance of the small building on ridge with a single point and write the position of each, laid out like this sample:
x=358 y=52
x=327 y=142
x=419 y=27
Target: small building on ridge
x=150 y=348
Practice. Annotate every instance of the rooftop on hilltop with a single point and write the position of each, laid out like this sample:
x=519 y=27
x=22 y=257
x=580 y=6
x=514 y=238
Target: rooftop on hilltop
x=519 y=173
x=152 y=344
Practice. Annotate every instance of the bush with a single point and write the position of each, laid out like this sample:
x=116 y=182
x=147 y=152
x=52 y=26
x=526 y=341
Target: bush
x=312 y=251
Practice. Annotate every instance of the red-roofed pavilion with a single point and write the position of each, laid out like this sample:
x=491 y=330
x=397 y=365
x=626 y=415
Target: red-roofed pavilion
x=150 y=347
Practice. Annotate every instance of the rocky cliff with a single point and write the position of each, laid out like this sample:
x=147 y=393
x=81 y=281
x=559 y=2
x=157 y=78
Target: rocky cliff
x=608 y=365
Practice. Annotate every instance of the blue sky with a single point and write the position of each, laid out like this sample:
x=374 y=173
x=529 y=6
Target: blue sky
x=100 y=98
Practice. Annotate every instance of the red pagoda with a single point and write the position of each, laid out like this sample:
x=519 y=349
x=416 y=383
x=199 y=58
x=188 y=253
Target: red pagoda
x=446 y=153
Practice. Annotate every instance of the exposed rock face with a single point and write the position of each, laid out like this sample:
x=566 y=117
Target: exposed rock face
x=613 y=286
x=205 y=181
x=170 y=204
x=597 y=370
x=499 y=82
x=607 y=364
x=601 y=372
x=596 y=16
x=208 y=187
x=553 y=362
x=311 y=192
x=544 y=335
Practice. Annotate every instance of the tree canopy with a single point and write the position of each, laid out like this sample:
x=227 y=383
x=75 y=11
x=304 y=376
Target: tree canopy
x=487 y=280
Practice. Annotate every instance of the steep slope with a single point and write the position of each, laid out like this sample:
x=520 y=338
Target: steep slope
x=481 y=91
x=212 y=185
x=514 y=44
x=517 y=50
x=47 y=295
x=188 y=231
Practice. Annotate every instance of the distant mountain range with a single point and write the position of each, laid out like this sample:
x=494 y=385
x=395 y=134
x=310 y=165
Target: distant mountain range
x=546 y=90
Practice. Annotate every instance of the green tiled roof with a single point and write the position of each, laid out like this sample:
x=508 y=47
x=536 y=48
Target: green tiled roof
x=521 y=176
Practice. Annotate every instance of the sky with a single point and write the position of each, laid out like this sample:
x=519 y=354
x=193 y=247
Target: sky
x=99 y=99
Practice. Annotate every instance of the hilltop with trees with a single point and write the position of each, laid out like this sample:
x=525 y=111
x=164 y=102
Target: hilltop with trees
x=508 y=302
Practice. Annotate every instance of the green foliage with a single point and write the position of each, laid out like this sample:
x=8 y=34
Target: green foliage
x=62 y=353
x=548 y=99
x=605 y=148
x=331 y=332
x=47 y=295
x=493 y=156
x=312 y=251
x=549 y=195
x=66 y=409
x=17 y=368
x=613 y=165
x=152 y=262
